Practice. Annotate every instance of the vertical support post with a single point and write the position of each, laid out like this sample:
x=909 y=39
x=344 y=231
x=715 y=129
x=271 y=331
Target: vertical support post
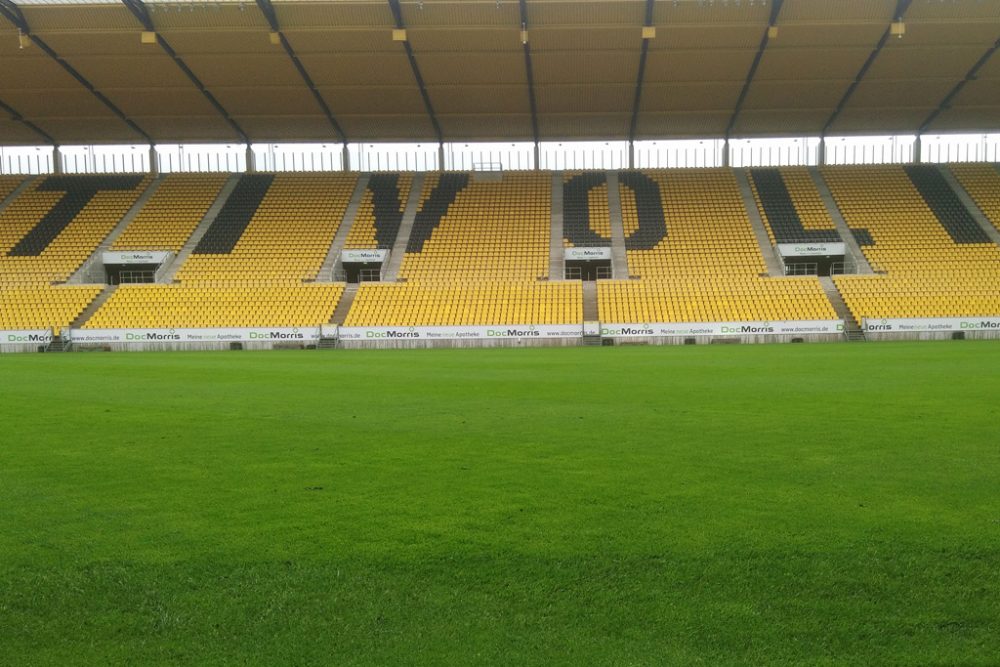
x=57 y=161
x=537 y=156
x=918 y=150
x=346 y=157
x=441 y=156
x=821 y=152
x=631 y=154
x=154 y=164
x=725 y=152
x=251 y=160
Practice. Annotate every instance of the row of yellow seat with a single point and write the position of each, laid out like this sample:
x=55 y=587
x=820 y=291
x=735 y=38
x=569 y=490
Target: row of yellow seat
x=72 y=246
x=477 y=303
x=44 y=306
x=289 y=234
x=931 y=277
x=181 y=306
x=172 y=213
x=708 y=266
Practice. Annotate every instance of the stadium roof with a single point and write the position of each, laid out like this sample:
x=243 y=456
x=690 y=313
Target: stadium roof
x=333 y=70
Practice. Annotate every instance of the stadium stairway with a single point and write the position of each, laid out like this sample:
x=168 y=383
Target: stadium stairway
x=344 y=305
x=333 y=256
x=619 y=258
x=590 y=308
x=92 y=271
x=94 y=306
x=398 y=252
x=970 y=205
x=199 y=231
x=16 y=192
x=759 y=231
x=861 y=264
x=59 y=344
x=852 y=330
x=557 y=257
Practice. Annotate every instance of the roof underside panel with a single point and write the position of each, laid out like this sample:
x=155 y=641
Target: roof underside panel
x=585 y=62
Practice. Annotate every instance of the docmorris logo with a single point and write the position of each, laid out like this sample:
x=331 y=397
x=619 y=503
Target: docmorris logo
x=764 y=327
x=392 y=333
x=513 y=333
x=152 y=335
x=277 y=335
x=984 y=324
x=883 y=325
x=29 y=338
x=638 y=330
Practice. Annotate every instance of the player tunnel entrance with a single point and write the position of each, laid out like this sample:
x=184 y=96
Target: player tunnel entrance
x=362 y=266
x=129 y=267
x=588 y=263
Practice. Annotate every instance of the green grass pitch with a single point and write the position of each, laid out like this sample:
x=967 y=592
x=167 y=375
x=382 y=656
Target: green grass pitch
x=717 y=505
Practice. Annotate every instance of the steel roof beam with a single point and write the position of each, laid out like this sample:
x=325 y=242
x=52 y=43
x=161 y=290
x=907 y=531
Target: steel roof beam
x=772 y=21
x=13 y=14
x=901 y=7
x=397 y=14
x=267 y=9
x=141 y=13
x=15 y=116
x=641 y=75
x=971 y=75
x=523 y=4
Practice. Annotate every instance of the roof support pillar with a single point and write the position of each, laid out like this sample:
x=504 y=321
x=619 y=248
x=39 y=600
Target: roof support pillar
x=345 y=157
x=57 y=161
x=154 y=164
x=821 y=152
x=251 y=160
x=918 y=151
x=441 y=156
x=631 y=154
x=537 y=156
x=725 y=152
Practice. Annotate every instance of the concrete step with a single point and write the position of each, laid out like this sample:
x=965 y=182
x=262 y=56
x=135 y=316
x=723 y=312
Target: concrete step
x=855 y=336
x=590 y=307
x=556 y=253
x=199 y=231
x=89 y=311
x=344 y=306
x=327 y=344
x=340 y=238
x=759 y=231
x=619 y=258
x=25 y=184
x=59 y=344
x=852 y=330
x=853 y=249
x=391 y=272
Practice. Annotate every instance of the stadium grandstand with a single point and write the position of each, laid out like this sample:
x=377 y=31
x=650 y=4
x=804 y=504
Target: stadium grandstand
x=231 y=173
